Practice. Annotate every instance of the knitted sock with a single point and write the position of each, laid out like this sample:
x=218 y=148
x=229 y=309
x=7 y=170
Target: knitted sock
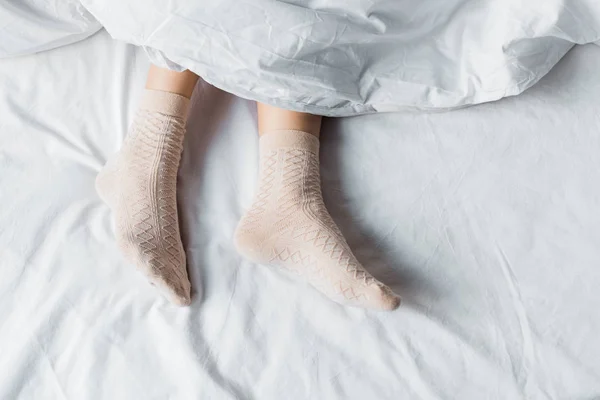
x=139 y=185
x=288 y=225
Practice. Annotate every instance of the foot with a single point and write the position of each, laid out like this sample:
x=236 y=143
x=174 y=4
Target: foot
x=139 y=185
x=289 y=227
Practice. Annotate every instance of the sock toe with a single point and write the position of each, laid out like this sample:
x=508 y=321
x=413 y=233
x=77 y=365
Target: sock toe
x=180 y=295
x=177 y=293
x=382 y=298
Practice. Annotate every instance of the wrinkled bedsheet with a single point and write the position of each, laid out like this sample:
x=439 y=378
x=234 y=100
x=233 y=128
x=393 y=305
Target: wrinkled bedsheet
x=485 y=220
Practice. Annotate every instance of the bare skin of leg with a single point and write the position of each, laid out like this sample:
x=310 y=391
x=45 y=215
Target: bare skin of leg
x=272 y=118
x=181 y=83
x=139 y=184
x=288 y=226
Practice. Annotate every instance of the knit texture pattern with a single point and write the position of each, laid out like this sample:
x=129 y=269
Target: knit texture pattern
x=289 y=227
x=139 y=184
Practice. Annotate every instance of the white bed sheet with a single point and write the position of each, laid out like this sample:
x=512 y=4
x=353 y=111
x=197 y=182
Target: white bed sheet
x=485 y=219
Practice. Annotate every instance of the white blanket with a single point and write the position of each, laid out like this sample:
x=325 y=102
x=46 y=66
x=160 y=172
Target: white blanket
x=343 y=57
x=484 y=219
x=30 y=26
x=329 y=57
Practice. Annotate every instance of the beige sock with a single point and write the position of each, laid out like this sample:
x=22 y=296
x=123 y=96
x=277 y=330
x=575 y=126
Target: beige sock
x=139 y=185
x=288 y=225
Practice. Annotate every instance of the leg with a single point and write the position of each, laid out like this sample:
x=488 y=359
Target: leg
x=139 y=184
x=277 y=119
x=288 y=225
x=181 y=83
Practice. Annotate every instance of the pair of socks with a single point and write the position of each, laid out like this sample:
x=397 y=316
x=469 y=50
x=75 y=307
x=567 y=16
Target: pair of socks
x=286 y=227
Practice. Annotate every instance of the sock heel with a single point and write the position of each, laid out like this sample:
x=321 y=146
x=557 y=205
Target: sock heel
x=250 y=245
x=105 y=183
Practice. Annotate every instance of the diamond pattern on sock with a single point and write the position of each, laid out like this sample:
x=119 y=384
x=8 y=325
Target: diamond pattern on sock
x=288 y=225
x=140 y=185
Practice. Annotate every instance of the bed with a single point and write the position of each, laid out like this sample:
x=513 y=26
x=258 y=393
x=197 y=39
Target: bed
x=484 y=219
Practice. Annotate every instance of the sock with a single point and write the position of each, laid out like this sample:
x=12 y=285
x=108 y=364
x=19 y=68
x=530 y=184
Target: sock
x=139 y=185
x=289 y=227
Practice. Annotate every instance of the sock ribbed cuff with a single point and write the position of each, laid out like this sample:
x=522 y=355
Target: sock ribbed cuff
x=289 y=139
x=165 y=103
